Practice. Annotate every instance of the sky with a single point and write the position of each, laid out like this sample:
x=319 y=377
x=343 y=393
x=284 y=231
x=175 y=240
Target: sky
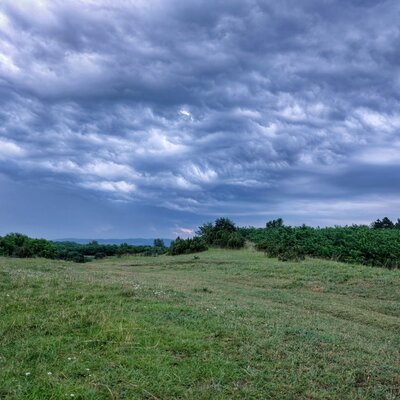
x=147 y=118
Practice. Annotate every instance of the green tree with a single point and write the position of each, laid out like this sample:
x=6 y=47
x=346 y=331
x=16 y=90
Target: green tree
x=224 y=225
x=207 y=232
x=275 y=223
x=222 y=233
x=158 y=243
x=385 y=223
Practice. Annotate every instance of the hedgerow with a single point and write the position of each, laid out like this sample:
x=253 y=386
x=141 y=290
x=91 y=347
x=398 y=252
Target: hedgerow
x=351 y=244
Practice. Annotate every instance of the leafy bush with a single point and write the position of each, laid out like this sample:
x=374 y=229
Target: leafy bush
x=22 y=246
x=75 y=257
x=223 y=233
x=187 y=246
x=235 y=241
x=99 y=256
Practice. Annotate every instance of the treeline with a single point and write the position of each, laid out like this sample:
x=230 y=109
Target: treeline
x=80 y=252
x=222 y=233
x=377 y=244
x=22 y=246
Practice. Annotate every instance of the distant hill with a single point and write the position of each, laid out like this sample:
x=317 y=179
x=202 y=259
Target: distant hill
x=133 y=242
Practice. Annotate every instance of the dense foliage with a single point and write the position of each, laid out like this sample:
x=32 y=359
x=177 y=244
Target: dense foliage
x=17 y=245
x=187 y=246
x=354 y=244
x=22 y=246
x=386 y=223
x=78 y=252
x=222 y=233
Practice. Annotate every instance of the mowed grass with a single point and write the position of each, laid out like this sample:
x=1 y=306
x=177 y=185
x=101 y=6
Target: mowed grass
x=228 y=325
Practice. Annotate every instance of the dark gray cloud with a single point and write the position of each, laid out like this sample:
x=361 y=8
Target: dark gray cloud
x=193 y=109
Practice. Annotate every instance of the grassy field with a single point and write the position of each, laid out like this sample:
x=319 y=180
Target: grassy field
x=231 y=324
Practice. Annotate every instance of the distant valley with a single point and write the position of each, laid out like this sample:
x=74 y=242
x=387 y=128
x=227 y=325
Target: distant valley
x=133 y=242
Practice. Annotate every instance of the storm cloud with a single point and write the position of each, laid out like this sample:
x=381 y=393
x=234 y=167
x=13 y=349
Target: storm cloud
x=189 y=110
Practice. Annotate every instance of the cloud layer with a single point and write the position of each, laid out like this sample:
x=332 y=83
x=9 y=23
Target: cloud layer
x=243 y=108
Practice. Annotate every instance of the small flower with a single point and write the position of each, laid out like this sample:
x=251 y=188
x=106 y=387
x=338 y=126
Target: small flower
x=87 y=369
x=27 y=373
x=49 y=373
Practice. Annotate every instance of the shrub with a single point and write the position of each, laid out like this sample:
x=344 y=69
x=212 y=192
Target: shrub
x=99 y=256
x=18 y=245
x=75 y=257
x=187 y=246
x=222 y=233
x=235 y=241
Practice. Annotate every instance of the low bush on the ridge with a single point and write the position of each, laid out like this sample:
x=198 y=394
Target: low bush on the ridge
x=222 y=233
x=187 y=246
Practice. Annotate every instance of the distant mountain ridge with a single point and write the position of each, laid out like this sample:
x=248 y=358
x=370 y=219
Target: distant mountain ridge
x=133 y=242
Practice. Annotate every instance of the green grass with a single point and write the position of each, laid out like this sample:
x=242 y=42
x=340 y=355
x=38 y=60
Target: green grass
x=231 y=324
